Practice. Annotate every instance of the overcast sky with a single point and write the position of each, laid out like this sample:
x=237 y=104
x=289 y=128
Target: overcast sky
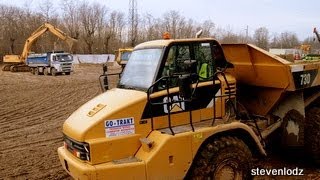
x=298 y=16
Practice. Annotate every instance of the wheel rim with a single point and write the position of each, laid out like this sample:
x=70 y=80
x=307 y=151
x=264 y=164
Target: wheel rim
x=228 y=170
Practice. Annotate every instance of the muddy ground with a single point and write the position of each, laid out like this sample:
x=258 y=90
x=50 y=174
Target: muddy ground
x=33 y=109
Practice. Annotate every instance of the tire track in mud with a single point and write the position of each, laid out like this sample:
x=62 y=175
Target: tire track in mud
x=32 y=112
x=45 y=106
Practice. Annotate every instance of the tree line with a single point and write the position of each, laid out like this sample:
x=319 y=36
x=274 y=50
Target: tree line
x=99 y=29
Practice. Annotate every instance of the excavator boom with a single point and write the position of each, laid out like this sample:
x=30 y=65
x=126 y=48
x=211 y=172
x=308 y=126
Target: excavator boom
x=41 y=30
x=316 y=33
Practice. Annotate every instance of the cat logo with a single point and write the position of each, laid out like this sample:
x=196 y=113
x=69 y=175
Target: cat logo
x=175 y=106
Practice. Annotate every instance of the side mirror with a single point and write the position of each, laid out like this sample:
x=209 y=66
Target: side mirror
x=105 y=68
x=185 y=86
x=103 y=79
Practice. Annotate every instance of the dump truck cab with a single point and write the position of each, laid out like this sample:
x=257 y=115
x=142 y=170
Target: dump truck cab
x=175 y=113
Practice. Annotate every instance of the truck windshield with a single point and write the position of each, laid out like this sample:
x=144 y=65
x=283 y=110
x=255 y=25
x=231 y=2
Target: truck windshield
x=141 y=69
x=64 y=57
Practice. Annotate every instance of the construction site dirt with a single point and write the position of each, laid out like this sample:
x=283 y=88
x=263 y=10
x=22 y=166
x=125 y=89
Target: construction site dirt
x=32 y=112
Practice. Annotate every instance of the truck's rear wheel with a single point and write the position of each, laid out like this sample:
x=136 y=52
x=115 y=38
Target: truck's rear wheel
x=32 y=70
x=293 y=130
x=67 y=73
x=223 y=158
x=53 y=71
x=36 y=71
x=312 y=133
x=45 y=71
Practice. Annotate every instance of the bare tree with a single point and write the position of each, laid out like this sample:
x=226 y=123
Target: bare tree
x=288 y=40
x=90 y=17
x=113 y=31
x=173 y=21
x=207 y=27
x=98 y=31
x=261 y=37
x=71 y=18
x=11 y=26
x=47 y=9
x=227 y=35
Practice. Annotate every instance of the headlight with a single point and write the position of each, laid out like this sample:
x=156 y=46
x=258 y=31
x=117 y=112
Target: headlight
x=79 y=149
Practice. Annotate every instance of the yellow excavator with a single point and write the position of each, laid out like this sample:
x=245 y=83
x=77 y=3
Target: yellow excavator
x=123 y=55
x=16 y=63
x=307 y=49
x=316 y=33
x=122 y=58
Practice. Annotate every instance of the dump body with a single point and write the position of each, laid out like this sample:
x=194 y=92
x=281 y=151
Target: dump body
x=266 y=77
x=38 y=60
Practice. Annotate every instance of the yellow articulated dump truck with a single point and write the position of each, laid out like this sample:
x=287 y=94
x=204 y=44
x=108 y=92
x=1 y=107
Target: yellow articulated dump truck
x=193 y=109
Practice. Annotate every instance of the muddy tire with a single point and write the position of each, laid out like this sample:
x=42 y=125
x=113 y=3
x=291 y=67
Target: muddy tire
x=67 y=73
x=32 y=70
x=292 y=130
x=222 y=158
x=53 y=71
x=36 y=71
x=312 y=134
x=45 y=71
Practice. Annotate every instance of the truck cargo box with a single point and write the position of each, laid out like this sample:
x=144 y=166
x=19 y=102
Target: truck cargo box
x=266 y=77
x=37 y=60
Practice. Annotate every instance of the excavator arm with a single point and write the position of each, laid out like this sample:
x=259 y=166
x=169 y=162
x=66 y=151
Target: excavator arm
x=317 y=34
x=41 y=30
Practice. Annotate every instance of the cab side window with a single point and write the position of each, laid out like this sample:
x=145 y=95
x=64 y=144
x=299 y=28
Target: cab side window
x=204 y=53
x=174 y=64
x=176 y=56
x=204 y=58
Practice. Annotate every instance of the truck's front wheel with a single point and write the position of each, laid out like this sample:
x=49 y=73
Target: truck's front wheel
x=312 y=133
x=223 y=158
x=53 y=71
